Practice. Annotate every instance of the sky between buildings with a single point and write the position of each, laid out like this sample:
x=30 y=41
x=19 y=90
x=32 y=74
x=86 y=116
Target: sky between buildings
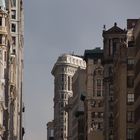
x=54 y=27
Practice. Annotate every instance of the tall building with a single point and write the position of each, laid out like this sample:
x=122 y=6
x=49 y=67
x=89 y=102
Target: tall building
x=119 y=61
x=124 y=92
x=94 y=100
x=11 y=32
x=111 y=38
x=50 y=130
x=4 y=68
x=137 y=80
x=63 y=71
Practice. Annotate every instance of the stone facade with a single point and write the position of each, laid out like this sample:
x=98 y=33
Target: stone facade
x=12 y=19
x=94 y=101
x=137 y=80
x=112 y=38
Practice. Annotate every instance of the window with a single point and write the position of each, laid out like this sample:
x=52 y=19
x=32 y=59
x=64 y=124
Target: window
x=130 y=98
x=69 y=83
x=130 y=63
x=99 y=93
x=61 y=135
x=62 y=105
x=14 y=2
x=13 y=40
x=100 y=103
x=62 y=113
x=130 y=134
x=62 y=77
x=0 y=38
x=13 y=14
x=130 y=116
x=100 y=72
x=62 y=87
x=114 y=47
x=1 y=55
x=13 y=27
x=100 y=126
x=99 y=87
x=110 y=71
x=5 y=56
x=130 y=81
x=62 y=96
x=0 y=21
x=99 y=82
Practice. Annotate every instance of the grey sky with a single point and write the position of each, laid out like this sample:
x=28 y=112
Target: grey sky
x=53 y=27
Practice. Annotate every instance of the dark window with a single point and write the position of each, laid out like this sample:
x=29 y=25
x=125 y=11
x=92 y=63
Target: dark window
x=61 y=135
x=62 y=96
x=130 y=81
x=13 y=27
x=137 y=114
x=99 y=82
x=110 y=71
x=0 y=21
x=5 y=56
x=137 y=68
x=69 y=83
x=131 y=44
x=0 y=39
x=14 y=2
x=130 y=134
x=99 y=93
x=130 y=116
x=62 y=105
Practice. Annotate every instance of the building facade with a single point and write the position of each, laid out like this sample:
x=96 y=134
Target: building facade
x=4 y=69
x=109 y=88
x=111 y=38
x=11 y=51
x=119 y=81
x=63 y=71
x=94 y=101
x=76 y=107
x=137 y=80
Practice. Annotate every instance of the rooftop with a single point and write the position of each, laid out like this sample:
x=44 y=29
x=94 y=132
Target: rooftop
x=114 y=30
x=94 y=53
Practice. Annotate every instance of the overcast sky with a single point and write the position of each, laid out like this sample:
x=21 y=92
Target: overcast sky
x=54 y=27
